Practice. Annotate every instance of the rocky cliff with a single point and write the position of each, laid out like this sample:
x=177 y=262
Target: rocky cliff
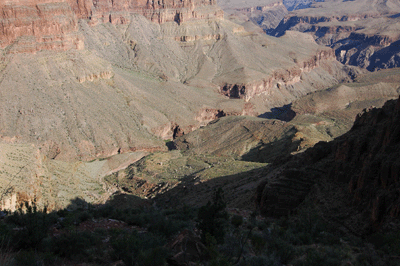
x=266 y=14
x=120 y=92
x=156 y=11
x=279 y=78
x=353 y=179
x=30 y=26
x=356 y=30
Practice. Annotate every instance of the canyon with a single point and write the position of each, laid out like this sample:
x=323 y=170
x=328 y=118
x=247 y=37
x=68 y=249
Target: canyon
x=134 y=61
x=362 y=33
x=166 y=100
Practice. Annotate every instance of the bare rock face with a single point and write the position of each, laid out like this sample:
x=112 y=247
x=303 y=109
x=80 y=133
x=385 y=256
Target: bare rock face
x=266 y=14
x=367 y=160
x=279 y=78
x=297 y=4
x=362 y=33
x=30 y=26
x=118 y=12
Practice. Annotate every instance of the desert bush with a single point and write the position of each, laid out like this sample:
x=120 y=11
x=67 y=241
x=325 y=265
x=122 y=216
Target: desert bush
x=258 y=242
x=33 y=227
x=329 y=256
x=139 y=249
x=284 y=250
x=34 y=258
x=388 y=243
x=6 y=253
x=263 y=260
x=236 y=220
x=77 y=245
x=160 y=224
x=212 y=218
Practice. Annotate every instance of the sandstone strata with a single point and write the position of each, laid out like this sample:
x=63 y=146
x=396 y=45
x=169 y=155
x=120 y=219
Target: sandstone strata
x=30 y=26
x=266 y=14
x=278 y=79
x=362 y=33
x=34 y=26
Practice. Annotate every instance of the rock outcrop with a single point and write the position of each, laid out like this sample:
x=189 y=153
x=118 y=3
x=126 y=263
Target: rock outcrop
x=297 y=4
x=367 y=160
x=31 y=26
x=353 y=179
x=266 y=14
x=279 y=78
x=157 y=11
x=37 y=25
x=362 y=33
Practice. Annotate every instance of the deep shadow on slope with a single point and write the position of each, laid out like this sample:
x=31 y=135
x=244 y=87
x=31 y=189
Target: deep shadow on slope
x=274 y=150
x=388 y=57
x=353 y=179
x=238 y=189
x=283 y=113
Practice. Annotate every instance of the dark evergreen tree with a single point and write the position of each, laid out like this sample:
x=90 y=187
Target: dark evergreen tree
x=212 y=218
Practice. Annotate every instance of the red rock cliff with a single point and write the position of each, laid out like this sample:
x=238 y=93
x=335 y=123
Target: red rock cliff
x=29 y=26
x=33 y=25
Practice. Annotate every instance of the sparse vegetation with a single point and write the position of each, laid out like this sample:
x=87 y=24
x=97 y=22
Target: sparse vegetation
x=101 y=235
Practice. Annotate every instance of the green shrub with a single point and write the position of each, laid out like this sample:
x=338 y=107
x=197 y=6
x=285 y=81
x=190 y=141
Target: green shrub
x=324 y=256
x=159 y=224
x=73 y=246
x=33 y=227
x=139 y=249
x=283 y=250
x=389 y=243
x=28 y=258
x=263 y=260
x=258 y=241
x=212 y=218
x=237 y=220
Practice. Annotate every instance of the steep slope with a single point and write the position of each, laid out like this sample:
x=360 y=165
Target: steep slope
x=82 y=80
x=362 y=32
x=353 y=179
x=298 y=4
x=135 y=82
x=319 y=116
x=26 y=175
x=30 y=26
x=266 y=14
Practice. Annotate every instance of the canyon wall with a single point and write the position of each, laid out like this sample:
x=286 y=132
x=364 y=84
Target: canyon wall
x=267 y=13
x=278 y=79
x=30 y=26
x=27 y=26
x=133 y=81
x=362 y=33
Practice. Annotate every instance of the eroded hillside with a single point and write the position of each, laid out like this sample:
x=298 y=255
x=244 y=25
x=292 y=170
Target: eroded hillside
x=94 y=80
x=117 y=90
x=362 y=32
